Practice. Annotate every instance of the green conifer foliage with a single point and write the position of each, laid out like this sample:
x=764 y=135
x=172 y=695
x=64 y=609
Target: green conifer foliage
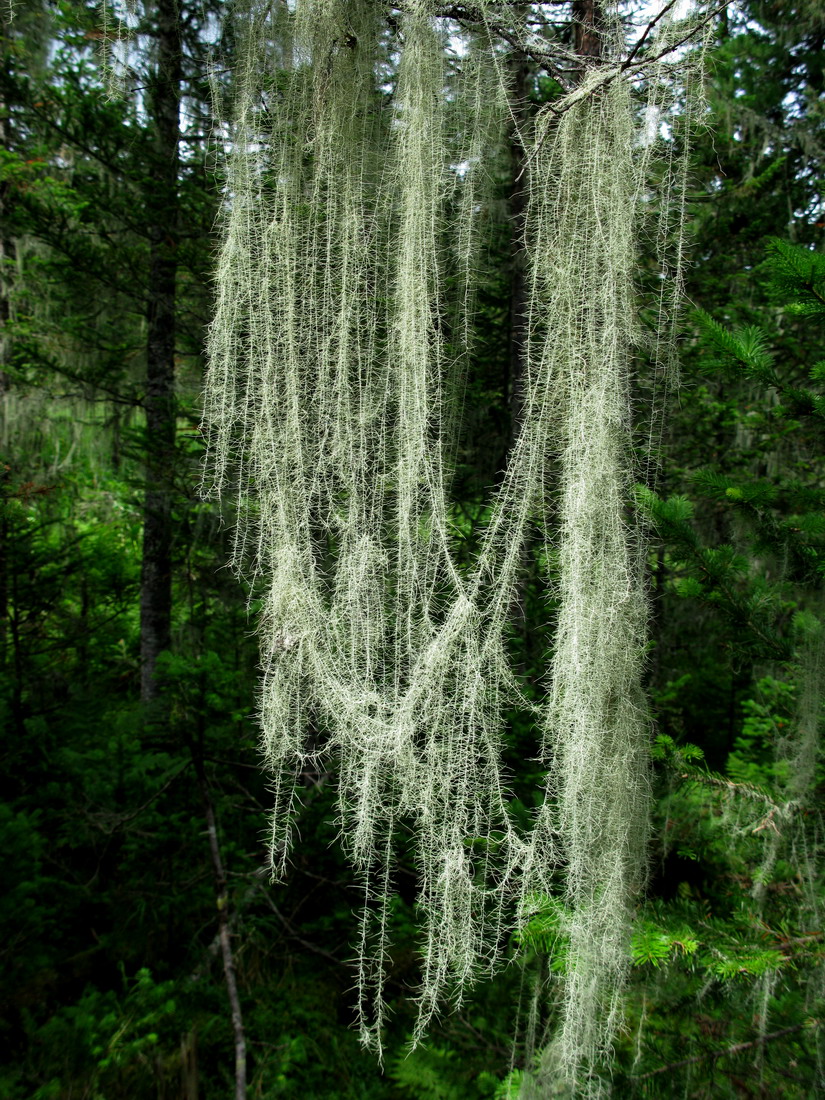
x=744 y=941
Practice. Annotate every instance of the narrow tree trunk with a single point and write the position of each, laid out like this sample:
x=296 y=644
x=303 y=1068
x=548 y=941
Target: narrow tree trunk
x=159 y=400
x=17 y=711
x=588 y=27
x=189 y=1066
x=7 y=254
x=516 y=209
x=224 y=933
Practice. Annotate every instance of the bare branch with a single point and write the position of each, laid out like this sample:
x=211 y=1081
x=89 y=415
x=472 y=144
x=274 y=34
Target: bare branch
x=737 y=1048
x=641 y=40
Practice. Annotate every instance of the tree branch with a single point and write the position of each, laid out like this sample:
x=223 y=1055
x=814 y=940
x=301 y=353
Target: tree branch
x=737 y=1048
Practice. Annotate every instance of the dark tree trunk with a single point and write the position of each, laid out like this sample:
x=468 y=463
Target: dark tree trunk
x=516 y=209
x=159 y=401
x=224 y=929
x=189 y=1066
x=588 y=26
x=7 y=254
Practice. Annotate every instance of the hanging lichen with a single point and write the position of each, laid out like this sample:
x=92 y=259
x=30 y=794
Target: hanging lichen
x=340 y=336
x=585 y=190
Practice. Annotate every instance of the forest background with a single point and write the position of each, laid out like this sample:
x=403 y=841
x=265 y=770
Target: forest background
x=144 y=952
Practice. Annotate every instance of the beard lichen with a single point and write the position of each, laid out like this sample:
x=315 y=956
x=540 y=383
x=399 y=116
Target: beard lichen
x=357 y=192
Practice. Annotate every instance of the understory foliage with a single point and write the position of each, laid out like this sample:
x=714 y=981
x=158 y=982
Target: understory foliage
x=345 y=314
x=760 y=944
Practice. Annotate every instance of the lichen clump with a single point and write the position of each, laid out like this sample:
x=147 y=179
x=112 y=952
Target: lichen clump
x=358 y=182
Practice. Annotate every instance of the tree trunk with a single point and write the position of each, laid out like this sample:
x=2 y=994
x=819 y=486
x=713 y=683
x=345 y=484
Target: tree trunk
x=159 y=401
x=189 y=1066
x=516 y=209
x=224 y=931
x=7 y=254
x=588 y=26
